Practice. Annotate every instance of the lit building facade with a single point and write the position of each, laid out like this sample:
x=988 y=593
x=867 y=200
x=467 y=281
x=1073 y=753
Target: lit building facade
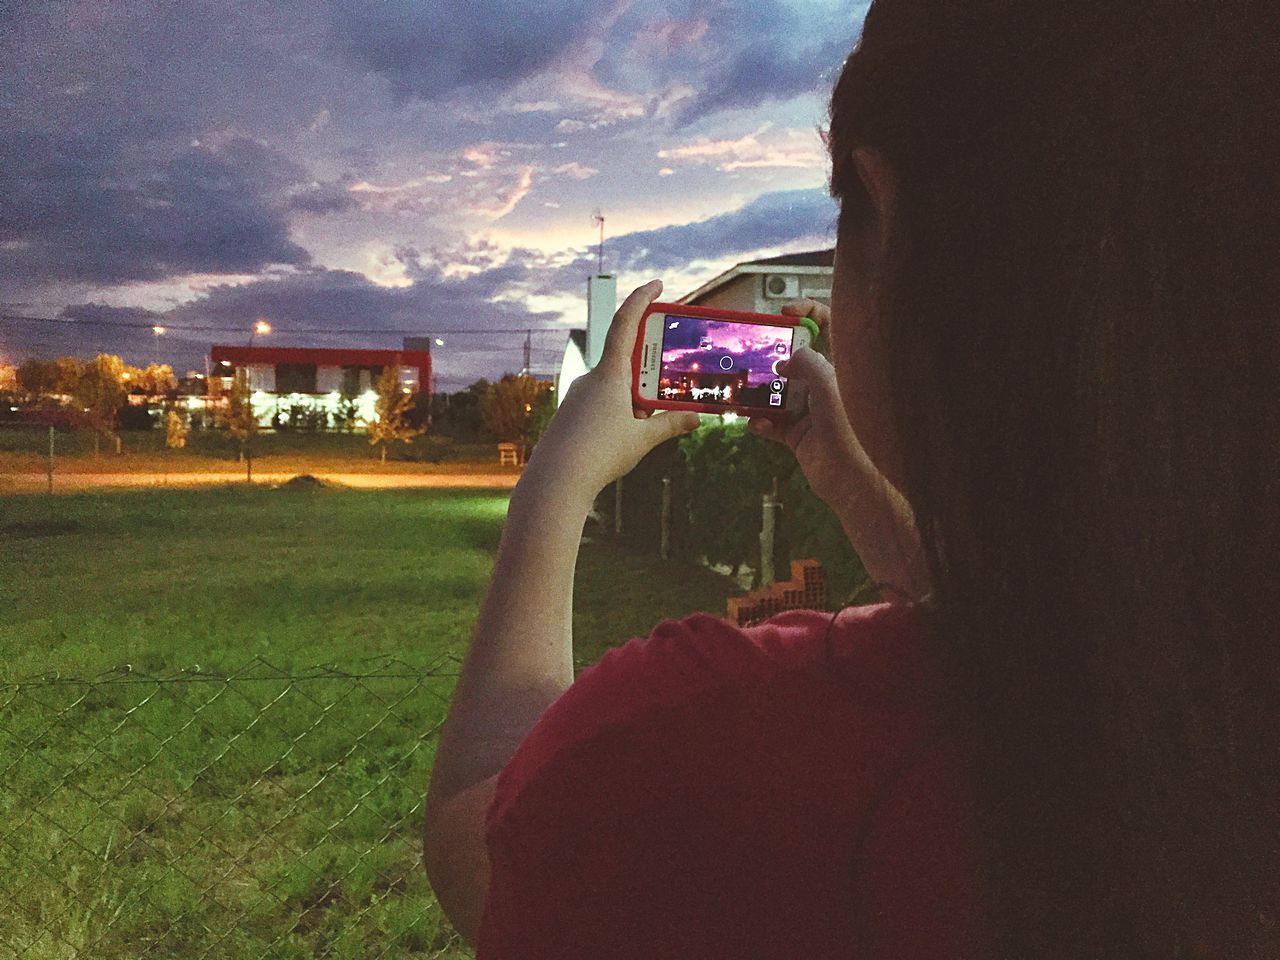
x=283 y=380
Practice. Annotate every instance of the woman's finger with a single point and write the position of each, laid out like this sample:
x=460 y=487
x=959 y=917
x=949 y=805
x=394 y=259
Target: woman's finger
x=620 y=340
x=818 y=375
x=806 y=307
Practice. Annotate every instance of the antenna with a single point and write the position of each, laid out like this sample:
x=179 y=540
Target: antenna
x=598 y=217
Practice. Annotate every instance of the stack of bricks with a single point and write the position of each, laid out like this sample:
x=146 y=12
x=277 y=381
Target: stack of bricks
x=807 y=590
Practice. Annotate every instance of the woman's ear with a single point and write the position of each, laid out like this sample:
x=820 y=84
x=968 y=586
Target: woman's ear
x=881 y=185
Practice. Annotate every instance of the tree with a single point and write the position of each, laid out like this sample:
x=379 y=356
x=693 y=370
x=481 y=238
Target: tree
x=70 y=370
x=8 y=378
x=241 y=422
x=36 y=378
x=344 y=417
x=100 y=391
x=507 y=408
x=175 y=431
x=154 y=380
x=544 y=408
x=391 y=411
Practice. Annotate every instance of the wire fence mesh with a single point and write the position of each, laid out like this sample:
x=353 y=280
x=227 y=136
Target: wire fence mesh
x=264 y=812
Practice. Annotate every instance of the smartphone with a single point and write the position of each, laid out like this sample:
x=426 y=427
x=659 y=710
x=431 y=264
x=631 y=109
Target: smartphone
x=717 y=361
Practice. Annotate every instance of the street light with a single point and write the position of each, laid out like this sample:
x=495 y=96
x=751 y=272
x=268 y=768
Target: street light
x=156 y=331
x=261 y=327
x=439 y=342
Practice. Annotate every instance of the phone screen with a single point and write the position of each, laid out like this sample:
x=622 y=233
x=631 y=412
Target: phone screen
x=721 y=362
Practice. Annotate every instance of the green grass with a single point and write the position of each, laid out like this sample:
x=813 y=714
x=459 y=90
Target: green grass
x=200 y=803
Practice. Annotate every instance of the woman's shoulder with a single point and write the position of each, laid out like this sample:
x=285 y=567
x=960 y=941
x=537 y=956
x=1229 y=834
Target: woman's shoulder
x=870 y=653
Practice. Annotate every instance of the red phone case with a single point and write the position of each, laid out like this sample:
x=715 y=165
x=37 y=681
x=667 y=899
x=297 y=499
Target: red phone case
x=779 y=415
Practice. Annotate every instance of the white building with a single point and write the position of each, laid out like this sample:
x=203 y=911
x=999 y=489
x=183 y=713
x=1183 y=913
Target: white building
x=758 y=286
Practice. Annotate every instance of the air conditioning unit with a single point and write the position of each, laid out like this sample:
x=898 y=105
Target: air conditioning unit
x=779 y=286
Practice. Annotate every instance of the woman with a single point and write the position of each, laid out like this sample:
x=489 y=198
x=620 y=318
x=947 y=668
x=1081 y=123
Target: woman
x=1053 y=416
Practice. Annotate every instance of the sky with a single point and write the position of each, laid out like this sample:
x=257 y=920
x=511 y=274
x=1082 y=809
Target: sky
x=355 y=171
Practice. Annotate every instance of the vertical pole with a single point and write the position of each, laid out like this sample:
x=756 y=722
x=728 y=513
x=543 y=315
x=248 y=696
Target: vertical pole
x=664 y=550
x=51 y=458
x=617 y=506
x=766 y=540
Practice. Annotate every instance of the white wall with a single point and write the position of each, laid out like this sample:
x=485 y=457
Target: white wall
x=328 y=379
x=602 y=302
x=261 y=376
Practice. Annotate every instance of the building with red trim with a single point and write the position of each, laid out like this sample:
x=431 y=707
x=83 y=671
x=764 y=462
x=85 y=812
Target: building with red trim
x=284 y=379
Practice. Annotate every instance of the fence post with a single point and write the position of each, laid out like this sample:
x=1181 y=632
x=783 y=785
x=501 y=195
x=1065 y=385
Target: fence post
x=769 y=506
x=617 y=506
x=664 y=550
x=50 y=464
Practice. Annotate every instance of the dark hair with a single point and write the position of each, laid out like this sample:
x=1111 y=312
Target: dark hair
x=1079 y=322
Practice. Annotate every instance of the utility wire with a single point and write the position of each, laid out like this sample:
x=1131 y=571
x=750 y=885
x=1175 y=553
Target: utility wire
x=203 y=328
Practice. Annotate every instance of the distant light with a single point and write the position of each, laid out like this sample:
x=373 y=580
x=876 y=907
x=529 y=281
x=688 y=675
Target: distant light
x=262 y=327
x=729 y=417
x=226 y=363
x=439 y=342
x=407 y=390
x=408 y=381
x=124 y=376
x=527 y=408
x=157 y=329
x=13 y=409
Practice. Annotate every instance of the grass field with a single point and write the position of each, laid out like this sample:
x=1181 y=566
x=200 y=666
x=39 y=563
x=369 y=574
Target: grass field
x=25 y=450
x=251 y=785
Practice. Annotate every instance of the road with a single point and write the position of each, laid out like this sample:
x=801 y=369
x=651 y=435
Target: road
x=74 y=482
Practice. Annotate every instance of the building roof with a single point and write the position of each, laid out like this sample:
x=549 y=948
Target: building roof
x=814 y=258
x=320 y=356
x=812 y=263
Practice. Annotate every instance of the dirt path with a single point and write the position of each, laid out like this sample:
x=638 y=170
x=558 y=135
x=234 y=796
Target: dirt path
x=74 y=482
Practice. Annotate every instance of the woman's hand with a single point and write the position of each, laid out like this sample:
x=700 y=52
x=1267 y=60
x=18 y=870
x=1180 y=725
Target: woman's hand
x=875 y=516
x=597 y=436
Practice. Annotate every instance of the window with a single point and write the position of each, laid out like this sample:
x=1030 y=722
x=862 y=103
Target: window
x=351 y=381
x=295 y=378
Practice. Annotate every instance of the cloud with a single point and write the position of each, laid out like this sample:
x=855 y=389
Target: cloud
x=72 y=212
x=575 y=170
x=784 y=148
x=771 y=220
x=429 y=50
x=716 y=57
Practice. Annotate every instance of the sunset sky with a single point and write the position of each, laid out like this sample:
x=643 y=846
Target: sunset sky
x=350 y=170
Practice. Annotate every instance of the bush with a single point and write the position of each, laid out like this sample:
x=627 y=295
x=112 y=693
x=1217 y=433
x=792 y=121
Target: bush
x=719 y=476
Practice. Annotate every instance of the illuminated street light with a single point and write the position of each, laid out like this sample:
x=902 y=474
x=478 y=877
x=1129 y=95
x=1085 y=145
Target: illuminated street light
x=262 y=327
x=157 y=330
x=439 y=342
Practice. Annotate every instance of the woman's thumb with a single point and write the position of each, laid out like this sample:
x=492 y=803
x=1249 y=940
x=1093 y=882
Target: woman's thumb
x=817 y=374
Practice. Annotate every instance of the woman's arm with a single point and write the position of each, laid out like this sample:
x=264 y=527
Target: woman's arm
x=521 y=655
x=875 y=516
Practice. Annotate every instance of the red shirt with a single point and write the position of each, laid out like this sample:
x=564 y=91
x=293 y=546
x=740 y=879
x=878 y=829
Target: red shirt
x=717 y=791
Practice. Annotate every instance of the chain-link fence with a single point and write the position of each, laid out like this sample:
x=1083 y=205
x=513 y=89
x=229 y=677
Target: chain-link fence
x=263 y=812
